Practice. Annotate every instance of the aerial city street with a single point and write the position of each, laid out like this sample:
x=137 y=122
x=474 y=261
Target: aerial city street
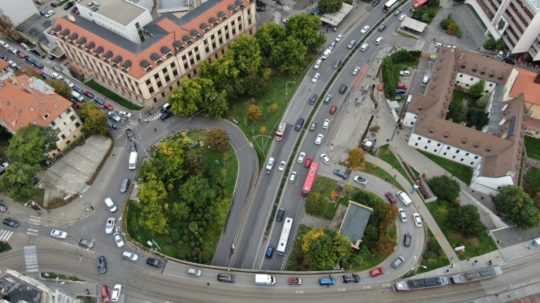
x=269 y=151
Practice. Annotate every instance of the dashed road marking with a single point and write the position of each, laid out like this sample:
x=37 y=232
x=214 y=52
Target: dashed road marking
x=5 y=235
x=32 y=232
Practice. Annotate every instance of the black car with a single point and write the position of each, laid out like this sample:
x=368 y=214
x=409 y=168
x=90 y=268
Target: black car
x=3 y=207
x=10 y=222
x=342 y=88
x=124 y=186
x=157 y=263
x=165 y=115
x=313 y=99
x=227 y=278
x=407 y=239
x=375 y=3
x=132 y=146
x=280 y=215
x=101 y=265
x=299 y=124
x=352 y=278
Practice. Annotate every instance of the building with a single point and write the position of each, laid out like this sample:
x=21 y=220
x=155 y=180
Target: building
x=516 y=22
x=413 y=25
x=17 y=11
x=335 y=19
x=16 y=287
x=354 y=222
x=28 y=101
x=143 y=59
x=495 y=152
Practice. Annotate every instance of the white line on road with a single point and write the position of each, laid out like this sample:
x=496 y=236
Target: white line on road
x=5 y=235
x=30 y=259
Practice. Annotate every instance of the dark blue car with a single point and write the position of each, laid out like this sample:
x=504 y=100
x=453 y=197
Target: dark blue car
x=269 y=252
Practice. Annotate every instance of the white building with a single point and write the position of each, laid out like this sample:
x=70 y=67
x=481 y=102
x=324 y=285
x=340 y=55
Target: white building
x=17 y=11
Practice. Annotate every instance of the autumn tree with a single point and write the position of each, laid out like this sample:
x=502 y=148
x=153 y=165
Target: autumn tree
x=254 y=112
x=218 y=139
x=94 y=120
x=355 y=159
x=61 y=88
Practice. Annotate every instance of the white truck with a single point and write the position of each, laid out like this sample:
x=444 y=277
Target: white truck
x=132 y=160
x=265 y=280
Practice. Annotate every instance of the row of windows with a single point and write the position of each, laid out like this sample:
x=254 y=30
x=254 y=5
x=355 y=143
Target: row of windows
x=453 y=156
x=447 y=148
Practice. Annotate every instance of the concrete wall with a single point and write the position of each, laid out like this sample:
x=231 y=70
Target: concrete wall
x=17 y=10
x=444 y=150
x=466 y=81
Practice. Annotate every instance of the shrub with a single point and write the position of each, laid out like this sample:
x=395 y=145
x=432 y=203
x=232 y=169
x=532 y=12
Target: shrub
x=445 y=188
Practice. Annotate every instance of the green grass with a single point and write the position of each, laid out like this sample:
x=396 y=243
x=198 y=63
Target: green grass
x=474 y=246
x=460 y=171
x=375 y=170
x=533 y=147
x=433 y=256
x=318 y=202
x=388 y=156
x=4 y=246
x=280 y=91
x=531 y=182
x=113 y=96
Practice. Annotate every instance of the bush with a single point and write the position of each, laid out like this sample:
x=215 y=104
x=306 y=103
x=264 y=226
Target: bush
x=531 y=183
x=427 y=12
x=4 y=246
x=466 y=220
x=391 y=66
x=445 y=188
x=450 y=26
x=517 y=207
x=319 y=206
x=330 y=6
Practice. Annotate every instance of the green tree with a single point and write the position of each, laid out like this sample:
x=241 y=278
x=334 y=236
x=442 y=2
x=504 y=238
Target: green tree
x=247 y=60
x=152 y=196
x=268 y=36
x=457 y=111
x=531 y=182
x=466 y=220
x=326 y=250
x=186 y=99
x=517 y=207
x=17 y=180
x=214 y=103
x=31 y=144
x=477 y=90
x=306 y=28
x=223 y=74
x=61 y=88
x=330 y=6
x=445 y=188
x=289 y=56
x=218 y=139
x=94 y=120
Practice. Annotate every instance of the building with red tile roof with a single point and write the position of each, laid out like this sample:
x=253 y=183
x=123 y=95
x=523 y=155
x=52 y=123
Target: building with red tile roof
x=28 y=101
x=143 y=59
x=527 y=83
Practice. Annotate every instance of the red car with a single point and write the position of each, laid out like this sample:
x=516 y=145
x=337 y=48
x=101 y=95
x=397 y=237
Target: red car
x=376 y=272
x=294 y=281
x=391 y=198
x=402 y=86
x=107 y=106
x=89 y=94
x=307 y=162
x=105 y=294
x=332 y=109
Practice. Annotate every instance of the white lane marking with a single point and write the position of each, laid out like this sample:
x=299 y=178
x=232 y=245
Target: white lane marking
x=5 y=235
x=30 y=259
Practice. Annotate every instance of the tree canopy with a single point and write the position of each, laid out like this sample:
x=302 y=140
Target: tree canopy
x=94 y=120
x=17 y=180
x=324 y=249
x=356 y=159
x=445 y=188
x=31 y=144
x=61 y=88
x=330 y=6
x=466 y=220
x=306 y=28
x=516 y=206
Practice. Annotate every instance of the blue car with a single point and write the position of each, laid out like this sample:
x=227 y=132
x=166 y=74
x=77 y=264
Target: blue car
x=327 y=281
x=269 y=252
x=99 y=101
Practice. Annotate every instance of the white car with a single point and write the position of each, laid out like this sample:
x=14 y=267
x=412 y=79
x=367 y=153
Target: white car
x=292 y=177
x=360 y=180
x=109 y=225
x=318 y=139
x=401 y=17
x=326 y=123
x=116 y=292
x=110 y=205
x=402 y=215
x=438 y=44
x=12 y=64
x=316 y=77
x=417 y=220
x=339 y=37
x=270 y=164
x=282 y=165
x=365 y=29
x=364 y=47
x=405 y=73
x=3 y=43
x=355 y=70
x=194 y=272
x=129 y=255
x=49 y=14
x=58 y=234
x=301 y=157
x=69 y=83
x=317 y=64
x=325 y=159
x=351 y=44
x=118 y=240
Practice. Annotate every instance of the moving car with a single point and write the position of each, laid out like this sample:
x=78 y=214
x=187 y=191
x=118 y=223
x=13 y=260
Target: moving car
x=355 y=70
x=118 y=240
x=326 y=123
x=318 y=139
x=130 y=256
x=340 y=174
x=116 y=292
x=299 y=124
x=317 y=64
x=352 y=278
x=391 y=197
x=327 y=281
x=417 y=220
x=312 y=99
x=101 y=265
x=292 y=177
x=294 y=281
x=402 y=215
x=124 y=186
x=325 y=159
x=58 y=234
x=360 y=180
x=401 y=17
x=379 y=40
x=332 y=109
x=351 y=44
x=381 y=28
x=85 y=243
x=269 y=252
x=3 y=207
x=110 y=205
x=315 y=78
x=327 y=99
x=270 y=165
x=301 y=157
x=364 y=47
x=407 y=239
x=376 y=272
x=365 y=29
x=10 y=222
x=342 y=88
x=227 y=278
x=196 y=272
x=157 y=263
x=282 y=165
x=313 y=126
x=404 y=198
x=109 y=225
x=280 y=215
x=397 y=262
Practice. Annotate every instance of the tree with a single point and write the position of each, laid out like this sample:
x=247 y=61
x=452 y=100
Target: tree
x=185 y=100
x=477 y=90
x=466 y=220
x=289 y=55
x=60 y=87
x=223 y=74
x=31 y=144
x=94 y=120
x=254 y=112
x=516 y=206
x=457 y=111
x=17 y=180
x=218 y=139
x=445 y=188
x=246 y=57
x=152 y=195
x=306 y=28
x=324 y=249
x=356 y=160
x=268 y=36
x=330 y=6
x=531 y=182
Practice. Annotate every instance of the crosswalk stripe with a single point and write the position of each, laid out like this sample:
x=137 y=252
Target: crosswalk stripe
x=30 y=259
x=5 y=235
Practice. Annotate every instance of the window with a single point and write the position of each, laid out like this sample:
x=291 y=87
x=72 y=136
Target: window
x=53 y=123
x=461 y=160
x=227 y=36
x=428 y=141
x=415 y=144
x=63 y=136
x=77 y=124
x=453 y=157
x=425 y=147
x=472 y=163
x=156 y=76
x=438 y=144
x=448 y=147
x=457 y=151
x=466 y=154
x=151 y=89
x=207 y=49
x=191 y=61
x=175 y=72
x=444 y=154
x=186 y=66
x=72 y=117
x=418 y=138
x=475 y=157
x=159 y=84
x=198 y=57
x=167 y=78
x=173 y=64
x=164 y=70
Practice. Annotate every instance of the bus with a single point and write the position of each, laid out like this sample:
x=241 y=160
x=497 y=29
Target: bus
x=280 y=132
x=284 y=238
x=310 y=178
x=388 y=5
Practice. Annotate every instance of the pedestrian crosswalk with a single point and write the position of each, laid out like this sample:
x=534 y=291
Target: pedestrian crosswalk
x=34 y=221
x=5 y=235
x=30 y=259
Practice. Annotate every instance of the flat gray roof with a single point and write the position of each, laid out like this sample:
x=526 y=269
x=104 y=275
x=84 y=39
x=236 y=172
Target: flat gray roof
x=413 y=24
x=121 y=11
x=355 y=221
x=336 y=18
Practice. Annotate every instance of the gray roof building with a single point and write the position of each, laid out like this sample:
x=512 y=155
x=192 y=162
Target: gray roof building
x=354 y=222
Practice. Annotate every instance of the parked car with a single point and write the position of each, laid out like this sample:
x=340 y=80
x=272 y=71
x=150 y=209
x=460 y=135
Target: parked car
x=313 y=126
x=292 y=177
x=376 y=272
x=110 y=205
x=270 y=165
x=355 y=70
x=99 y=101
x=299 y=124
x=124 y=186
x=58 y=234
x=101 y=265
x=118 y=240
x=407 y=239
x=342 y=89
x=130 y=256
x=105 y=294
x=10 y=222
x=157 y=263
x=3 y=207
x=417 y=220
x=402 y=215
x=282 y=165
x=360 y=180
x=332 y=109
x=365 y=29
x=294 y=281
x=400 y=18
x=326 y=123
x=116 y=292
x=381 y=28
x=318 y=63
x=339 y=37
x=325 y=159
x=301 y=157
x=109 y=225
x=397 y=262
x=405 y=73
x=391 y=197
x=85 y=243
x=89 y=94
x=316 y=77
x=280 y=215
x=312 y=99
x=227 y=278
x=352 y=278
x=327 y=99
x=340 y=174
x=165 y=115
x=351 y=44
x=318 y=139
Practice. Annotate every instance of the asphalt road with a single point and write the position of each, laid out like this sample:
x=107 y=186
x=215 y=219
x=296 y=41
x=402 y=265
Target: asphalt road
x=249 y=251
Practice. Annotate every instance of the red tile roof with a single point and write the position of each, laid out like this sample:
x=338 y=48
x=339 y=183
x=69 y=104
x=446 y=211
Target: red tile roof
x=21 y=105
x=524 y=84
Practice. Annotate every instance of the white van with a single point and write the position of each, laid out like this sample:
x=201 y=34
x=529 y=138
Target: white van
x=378 y=40
x=132 y=165
x=265 y=280
x=110 y=204
x=425 y=80
x=364 y=47
x=404 y=198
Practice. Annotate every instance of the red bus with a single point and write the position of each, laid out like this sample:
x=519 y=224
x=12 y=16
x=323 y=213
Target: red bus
x=310 y=178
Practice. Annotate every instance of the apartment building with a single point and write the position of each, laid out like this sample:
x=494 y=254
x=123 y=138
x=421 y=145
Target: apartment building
x=16 y=287
x=517 y=22
x=143 y=59
x=28 y=101
x=495 y=153
x=18 y=11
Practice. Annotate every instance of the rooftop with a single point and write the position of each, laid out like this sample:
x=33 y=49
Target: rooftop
x=413 y=24
x=524 y=84
x=14 y=290
x=111 y=8
x=355 y=221
x=25 y=101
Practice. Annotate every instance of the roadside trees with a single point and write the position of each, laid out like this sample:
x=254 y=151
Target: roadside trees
x=306 y=28
x=30 y=145
x=324 y=249
x=516 y=206
x=94 y=120
x=17 y=180
x=61 y=88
